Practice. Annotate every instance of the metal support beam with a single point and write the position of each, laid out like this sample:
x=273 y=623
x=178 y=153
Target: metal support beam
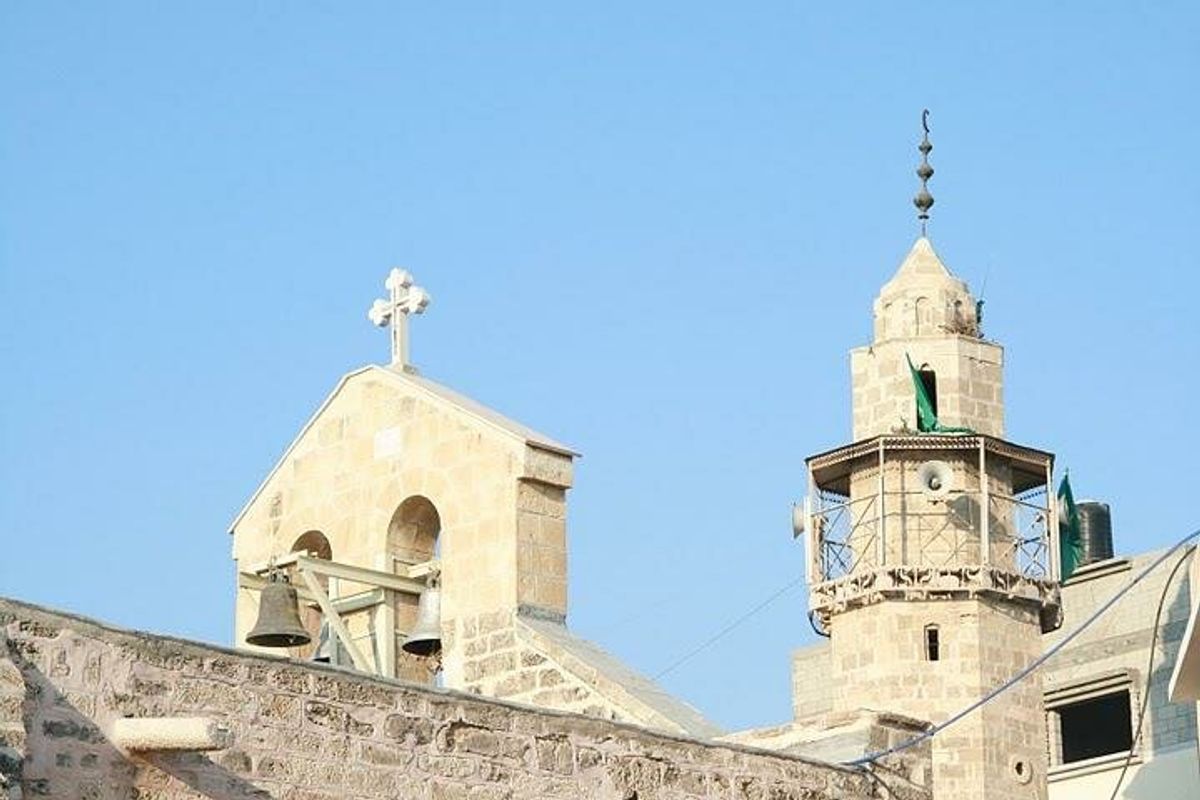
x=812 y=527
x=335 y=619
x=264 y=567
x=368 y=577
x=344 y=605
x=1052 y=527
x=985 y=506
x=811 y=544
x=879 y=510
x=256 y=583
x=424 y=568
x=384 y=623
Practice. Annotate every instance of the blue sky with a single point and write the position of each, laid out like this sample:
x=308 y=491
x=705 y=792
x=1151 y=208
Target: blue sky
x=652 y=231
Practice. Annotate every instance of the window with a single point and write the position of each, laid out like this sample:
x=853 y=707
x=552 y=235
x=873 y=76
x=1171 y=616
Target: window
x=1096 y=727
x=929 y=381
x=1090 y=720
x=932 y=643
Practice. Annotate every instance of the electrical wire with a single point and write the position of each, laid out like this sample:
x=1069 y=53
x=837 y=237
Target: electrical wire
x=1137 y=732
x=934 y=730
x=728 y=628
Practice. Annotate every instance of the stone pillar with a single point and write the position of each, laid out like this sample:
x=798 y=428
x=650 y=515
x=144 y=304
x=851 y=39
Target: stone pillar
x=879 y=661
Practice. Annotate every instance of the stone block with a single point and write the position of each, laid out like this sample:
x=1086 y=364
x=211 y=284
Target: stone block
x=449 y=790
x=493 y=621
x=497 y=664
x=555 y=754
x=447 y=766
x=530 y=658
x=502 y=640
x=362 y=693
x=549 y=677
x=516 y=684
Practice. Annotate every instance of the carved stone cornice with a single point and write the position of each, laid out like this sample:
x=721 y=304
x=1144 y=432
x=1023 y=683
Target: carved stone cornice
x=909 y=583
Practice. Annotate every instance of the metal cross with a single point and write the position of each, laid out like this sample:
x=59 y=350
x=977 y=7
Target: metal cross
x=403 y=299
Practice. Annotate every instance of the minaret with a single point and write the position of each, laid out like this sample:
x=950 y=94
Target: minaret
x=931 y=564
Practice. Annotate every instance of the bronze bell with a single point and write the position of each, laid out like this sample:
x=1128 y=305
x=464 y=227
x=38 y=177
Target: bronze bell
x=278 y=622
x=425 y=638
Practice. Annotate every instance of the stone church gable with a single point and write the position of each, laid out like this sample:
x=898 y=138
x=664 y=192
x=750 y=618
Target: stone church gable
x=388 y=415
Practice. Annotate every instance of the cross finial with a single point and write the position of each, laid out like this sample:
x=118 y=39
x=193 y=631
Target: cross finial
x=924 y=200
x=403 y=299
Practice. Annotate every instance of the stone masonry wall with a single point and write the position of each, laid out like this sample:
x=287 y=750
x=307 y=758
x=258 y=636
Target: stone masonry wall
x=542 y=545
x=312 y=732
x=879 y=661
x=1120 y=641
x=500 y=663
x=509 y=655
x=811 y=680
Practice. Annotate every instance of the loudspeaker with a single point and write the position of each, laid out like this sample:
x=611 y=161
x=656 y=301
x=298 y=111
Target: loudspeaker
x=797 y=520
x=936 y=479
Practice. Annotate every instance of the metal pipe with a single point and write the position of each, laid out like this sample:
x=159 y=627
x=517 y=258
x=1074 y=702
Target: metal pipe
x=879 y=510
x=985 y=505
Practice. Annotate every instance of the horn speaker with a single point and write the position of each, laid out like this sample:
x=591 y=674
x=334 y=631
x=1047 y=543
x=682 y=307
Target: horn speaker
x=936 y=479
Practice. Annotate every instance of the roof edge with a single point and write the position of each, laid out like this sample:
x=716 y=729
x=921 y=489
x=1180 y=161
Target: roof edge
x=463 y=403
x=292 y=444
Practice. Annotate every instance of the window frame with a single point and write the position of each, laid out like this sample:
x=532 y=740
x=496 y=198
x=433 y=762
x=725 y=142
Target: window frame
x=1103 y=685
x=931 y=643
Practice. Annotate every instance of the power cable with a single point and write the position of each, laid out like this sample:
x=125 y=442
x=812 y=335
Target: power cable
x=1137 y=732
x=721 y=633
x=932 y=731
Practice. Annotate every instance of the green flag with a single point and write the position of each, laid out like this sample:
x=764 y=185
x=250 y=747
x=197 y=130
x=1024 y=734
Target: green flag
x=927 y=421
x=1070 y=543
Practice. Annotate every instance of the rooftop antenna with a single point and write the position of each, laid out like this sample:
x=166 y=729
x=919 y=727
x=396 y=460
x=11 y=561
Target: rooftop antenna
x=924 y=200
x=979 y=303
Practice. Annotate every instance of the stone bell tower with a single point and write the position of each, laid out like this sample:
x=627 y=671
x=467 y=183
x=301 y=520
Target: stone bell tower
x=930 y=562
x=396 y=479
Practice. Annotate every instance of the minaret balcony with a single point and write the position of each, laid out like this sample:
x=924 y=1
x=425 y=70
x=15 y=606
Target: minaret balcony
x=929 y=516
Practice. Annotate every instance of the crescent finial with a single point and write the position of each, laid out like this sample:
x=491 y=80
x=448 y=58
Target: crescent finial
x=924 y=200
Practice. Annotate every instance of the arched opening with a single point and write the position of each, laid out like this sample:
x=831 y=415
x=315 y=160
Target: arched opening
x=928 y=380
x=315 y=545
x=921 y=320
x=413 y=531
x=413 y=538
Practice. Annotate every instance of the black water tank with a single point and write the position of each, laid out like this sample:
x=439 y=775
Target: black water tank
x=1095 y=531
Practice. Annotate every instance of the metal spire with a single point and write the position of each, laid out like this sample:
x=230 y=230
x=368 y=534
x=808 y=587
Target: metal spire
x=924 y=200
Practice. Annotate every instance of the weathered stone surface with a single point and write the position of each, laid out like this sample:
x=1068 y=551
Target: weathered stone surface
x=311 y=732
